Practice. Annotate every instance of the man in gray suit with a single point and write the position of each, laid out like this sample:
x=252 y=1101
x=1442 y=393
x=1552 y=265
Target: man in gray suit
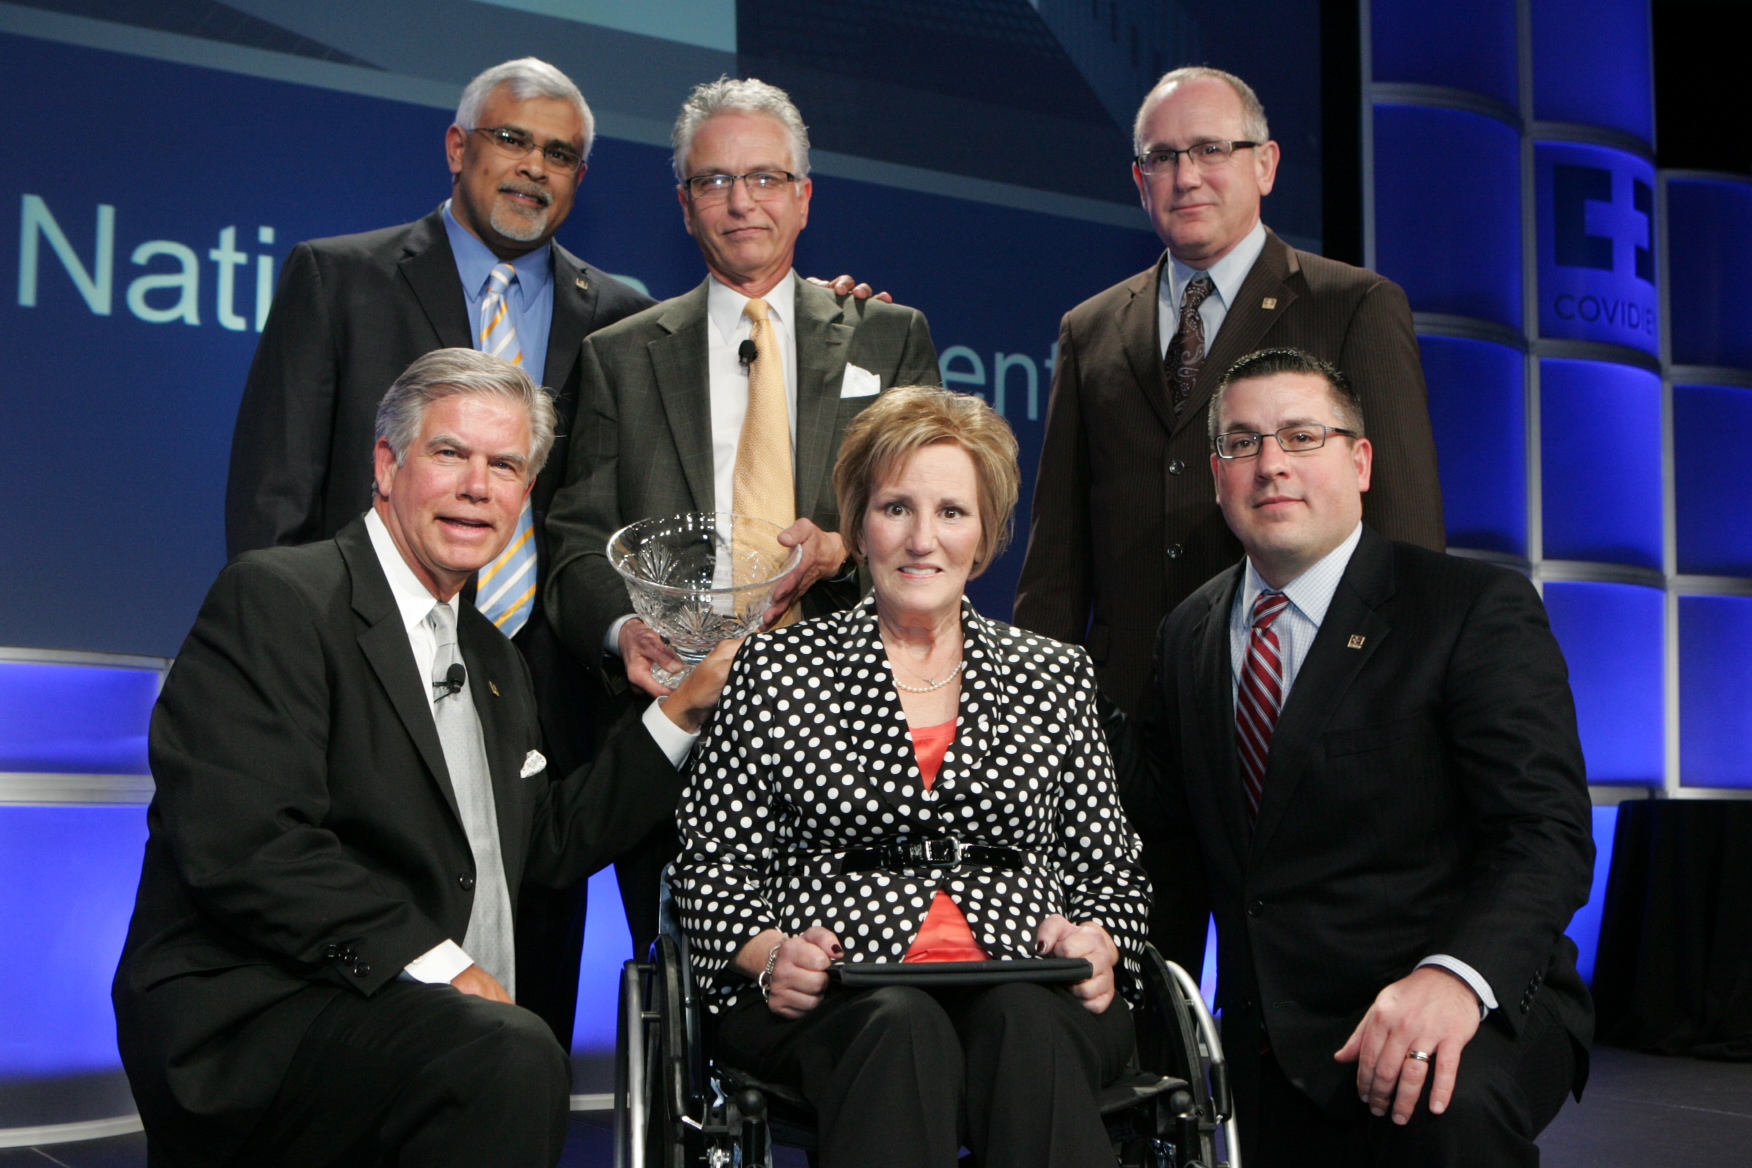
x=664 y=396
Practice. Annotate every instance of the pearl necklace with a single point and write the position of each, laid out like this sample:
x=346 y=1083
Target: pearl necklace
x=934 y=686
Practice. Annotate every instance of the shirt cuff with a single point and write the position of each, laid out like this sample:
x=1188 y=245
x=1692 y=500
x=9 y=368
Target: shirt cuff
x=1475 y=980
x=439 y=965
x=611 y=639
x=671 y=739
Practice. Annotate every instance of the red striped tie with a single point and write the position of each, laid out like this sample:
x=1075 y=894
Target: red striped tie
x=1260 y=696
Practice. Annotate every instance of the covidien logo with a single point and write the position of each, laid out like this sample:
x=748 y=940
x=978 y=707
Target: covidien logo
x=1597 y=275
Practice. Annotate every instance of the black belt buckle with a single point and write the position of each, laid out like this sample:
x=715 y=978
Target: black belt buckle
x=940 y=851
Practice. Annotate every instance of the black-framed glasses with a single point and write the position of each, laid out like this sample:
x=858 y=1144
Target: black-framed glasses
x=1291 y=440
x=761 y=184
x=518 y=143
x=1206 y=155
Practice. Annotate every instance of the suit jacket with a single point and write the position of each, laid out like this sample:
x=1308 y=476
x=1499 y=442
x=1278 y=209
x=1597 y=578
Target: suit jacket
x=1425 y=793
x=304 y=839
x=1125 y=522
x=811 y=746
x=645 y=445
x=351 y=314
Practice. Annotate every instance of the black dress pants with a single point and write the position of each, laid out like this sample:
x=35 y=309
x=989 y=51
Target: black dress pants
x=901 y=1076
x=419 y=1075
x=1508 y=1089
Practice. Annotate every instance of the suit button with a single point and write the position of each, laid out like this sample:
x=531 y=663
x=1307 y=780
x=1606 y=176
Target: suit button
x=1176 y=467
x=466 y=879
x=361 y=970
x=1175 y=551
x=1255 y=907
x=332 y=952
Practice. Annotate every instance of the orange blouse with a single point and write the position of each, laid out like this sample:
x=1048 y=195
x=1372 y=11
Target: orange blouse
x=945 y=935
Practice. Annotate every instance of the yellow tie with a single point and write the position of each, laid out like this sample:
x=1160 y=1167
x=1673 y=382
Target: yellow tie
x=763 y=485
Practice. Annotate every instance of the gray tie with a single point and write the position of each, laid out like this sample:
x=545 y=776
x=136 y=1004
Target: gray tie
x=488 y=940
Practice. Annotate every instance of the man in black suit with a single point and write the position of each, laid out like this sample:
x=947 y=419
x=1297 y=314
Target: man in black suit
x=1365 y=754
x=352 y=312
x=350 y=790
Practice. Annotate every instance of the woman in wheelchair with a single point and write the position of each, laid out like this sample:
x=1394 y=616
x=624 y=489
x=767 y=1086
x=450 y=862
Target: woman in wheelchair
x=912 y=782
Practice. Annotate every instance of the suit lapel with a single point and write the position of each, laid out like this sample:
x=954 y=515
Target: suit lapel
x=1246 y=321
x=574 y=311
x=1326 y=675
x=823 y=341
x=1140 y=336
x=881 y=752
x=385 y=645
x=429 y=267
x=678 y=365
x=983 y=693
x=1214 y=687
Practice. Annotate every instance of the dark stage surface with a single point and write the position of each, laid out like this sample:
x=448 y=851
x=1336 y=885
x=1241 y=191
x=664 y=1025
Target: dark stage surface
x=1640 y=1109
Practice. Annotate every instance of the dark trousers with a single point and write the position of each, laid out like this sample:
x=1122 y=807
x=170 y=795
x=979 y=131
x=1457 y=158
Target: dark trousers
x=1509 y=1088
x=901 y=1076
x=419 y=1074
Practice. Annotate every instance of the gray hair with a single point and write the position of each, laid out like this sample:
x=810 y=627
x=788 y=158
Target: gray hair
x=1346 y=402
x=442 y=373
x=527 y=78
x=1253 y=122
x=729 y=95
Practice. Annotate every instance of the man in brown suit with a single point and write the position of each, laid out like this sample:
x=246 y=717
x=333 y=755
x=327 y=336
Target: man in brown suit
x=1125 y=522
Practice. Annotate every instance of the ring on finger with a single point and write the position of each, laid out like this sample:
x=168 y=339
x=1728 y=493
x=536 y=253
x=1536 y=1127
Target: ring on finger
x=1422 y=1056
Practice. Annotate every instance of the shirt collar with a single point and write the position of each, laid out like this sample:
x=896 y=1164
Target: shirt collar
x=724 y=304
x=475 y=262
x=412 y=599
x=1227 y=274
x=1310 y=593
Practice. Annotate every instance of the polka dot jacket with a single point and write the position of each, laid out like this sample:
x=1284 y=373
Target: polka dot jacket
x=810 y=755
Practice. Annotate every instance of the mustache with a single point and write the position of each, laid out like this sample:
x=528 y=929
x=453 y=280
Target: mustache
x=531 y=191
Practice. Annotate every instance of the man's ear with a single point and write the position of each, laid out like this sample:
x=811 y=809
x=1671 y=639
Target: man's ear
x=384 y=467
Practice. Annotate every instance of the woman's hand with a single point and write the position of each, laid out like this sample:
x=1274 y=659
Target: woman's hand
x=800 y=973
x=1057 y=937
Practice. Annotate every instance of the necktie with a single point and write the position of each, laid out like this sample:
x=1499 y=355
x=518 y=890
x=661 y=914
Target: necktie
x=505 y=588
x=1260 y=696
x=1186 y=351
x=489 y=936
x=763 y=484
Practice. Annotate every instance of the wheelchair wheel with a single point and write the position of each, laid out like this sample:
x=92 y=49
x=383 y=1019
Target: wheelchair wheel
x=1177 y=1040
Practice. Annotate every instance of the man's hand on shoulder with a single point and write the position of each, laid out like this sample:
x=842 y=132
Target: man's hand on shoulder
x=1432 y=1012
x=849 y=286
x=640 y=649
x=824 y=556
x=477 y=981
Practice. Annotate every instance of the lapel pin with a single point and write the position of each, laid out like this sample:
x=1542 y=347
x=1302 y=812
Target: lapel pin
x=583 y=284
x=1355 y=642
x=494 y=686
x=1269 y=303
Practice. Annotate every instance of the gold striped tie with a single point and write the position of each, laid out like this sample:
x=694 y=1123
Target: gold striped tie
x=505 y=588
x=764 y=486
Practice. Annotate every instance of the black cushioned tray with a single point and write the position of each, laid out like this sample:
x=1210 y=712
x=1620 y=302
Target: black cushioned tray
x=869 y=974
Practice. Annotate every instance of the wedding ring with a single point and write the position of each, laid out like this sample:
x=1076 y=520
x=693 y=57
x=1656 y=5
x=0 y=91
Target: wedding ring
x=1422 y=1056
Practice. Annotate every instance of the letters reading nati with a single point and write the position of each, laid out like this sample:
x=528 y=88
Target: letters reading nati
x=169 y=291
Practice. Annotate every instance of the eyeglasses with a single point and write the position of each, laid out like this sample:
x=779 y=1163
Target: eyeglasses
x=516 y=143
x=1291 y=440
x=1207 y=156
x=762 y=185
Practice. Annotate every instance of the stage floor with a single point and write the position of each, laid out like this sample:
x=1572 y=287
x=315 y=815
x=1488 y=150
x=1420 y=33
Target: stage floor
x=1640 y=1109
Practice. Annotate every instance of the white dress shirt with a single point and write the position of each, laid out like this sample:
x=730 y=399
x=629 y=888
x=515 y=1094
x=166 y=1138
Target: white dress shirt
x=1227 y=274
x=1296 y=627
x=414 y=603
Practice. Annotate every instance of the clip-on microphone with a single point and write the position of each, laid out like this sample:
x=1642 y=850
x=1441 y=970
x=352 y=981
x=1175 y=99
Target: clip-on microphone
x=746 y=353
x=454 y=677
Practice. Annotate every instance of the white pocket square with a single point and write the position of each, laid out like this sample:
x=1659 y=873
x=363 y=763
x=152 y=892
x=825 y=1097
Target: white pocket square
x=533 y=764
x=860 y=383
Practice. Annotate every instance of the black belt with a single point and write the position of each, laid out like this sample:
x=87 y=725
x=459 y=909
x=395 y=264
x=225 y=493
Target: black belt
x=936 y=852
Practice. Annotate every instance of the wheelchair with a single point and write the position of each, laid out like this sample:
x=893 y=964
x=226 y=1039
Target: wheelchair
x=678 y=1107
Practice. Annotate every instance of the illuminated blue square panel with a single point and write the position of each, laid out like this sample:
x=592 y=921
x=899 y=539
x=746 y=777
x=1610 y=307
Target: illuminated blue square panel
x=1596 y=225
x=1593 y=64
x=1448 y=211
x=1462 y=44
x=1478 y=408
x=1715 y=681
x=67 y=880
x=1612 y=637
x=75 y=719
x=1709 y=287
x=1714 y=533
x=1600 y=437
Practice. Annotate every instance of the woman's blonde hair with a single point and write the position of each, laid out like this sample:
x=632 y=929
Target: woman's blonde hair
x=907 y=419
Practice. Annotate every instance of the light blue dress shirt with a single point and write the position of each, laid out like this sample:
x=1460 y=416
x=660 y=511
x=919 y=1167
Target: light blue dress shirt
x=1227 y=274
x=530 y=299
